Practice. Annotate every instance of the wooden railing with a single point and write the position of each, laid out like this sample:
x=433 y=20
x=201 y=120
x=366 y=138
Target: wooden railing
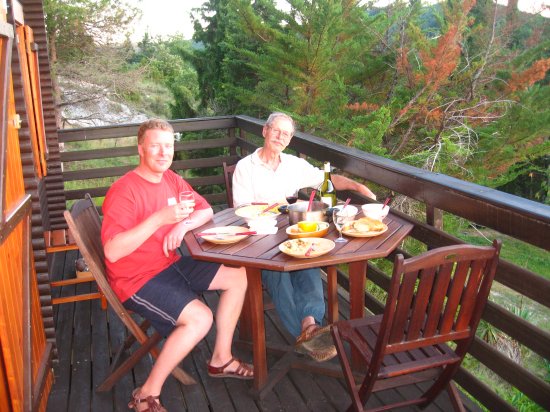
x=233 y=137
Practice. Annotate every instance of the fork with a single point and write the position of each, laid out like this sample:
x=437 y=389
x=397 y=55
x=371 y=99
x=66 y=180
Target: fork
x=311 y=249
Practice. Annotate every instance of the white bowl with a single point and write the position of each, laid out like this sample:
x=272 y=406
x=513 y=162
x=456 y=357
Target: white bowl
x=349 y=210
x=375 y=211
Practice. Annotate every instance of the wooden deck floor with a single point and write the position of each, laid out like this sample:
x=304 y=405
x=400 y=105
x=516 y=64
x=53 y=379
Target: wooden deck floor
x=87 y=337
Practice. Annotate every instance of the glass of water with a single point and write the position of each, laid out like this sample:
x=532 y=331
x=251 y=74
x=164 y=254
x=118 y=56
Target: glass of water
x=340 y=218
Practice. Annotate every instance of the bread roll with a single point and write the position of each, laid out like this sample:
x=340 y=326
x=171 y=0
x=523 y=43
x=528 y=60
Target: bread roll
x=366 y=224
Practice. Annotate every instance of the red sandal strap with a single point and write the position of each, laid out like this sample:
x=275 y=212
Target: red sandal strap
x=153 y=402
x=220 y=369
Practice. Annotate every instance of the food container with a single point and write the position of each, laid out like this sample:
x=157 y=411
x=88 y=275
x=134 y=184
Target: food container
x=294 y=232
x=298 y=212
x=375 y=211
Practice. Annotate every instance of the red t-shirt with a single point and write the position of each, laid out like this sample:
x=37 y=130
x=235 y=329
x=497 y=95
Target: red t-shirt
x=128 y=202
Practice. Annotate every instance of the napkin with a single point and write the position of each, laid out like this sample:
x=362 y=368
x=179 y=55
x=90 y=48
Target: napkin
x=266 y=230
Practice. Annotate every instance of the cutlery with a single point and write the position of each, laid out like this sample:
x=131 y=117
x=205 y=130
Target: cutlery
x=310 y=200
x=347 y=203
x=225 y=233
x=311 y=249
x=268 y=208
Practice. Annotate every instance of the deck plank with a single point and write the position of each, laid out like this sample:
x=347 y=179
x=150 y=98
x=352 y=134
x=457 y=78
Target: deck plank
x=80 y=397
x=63 y=319
x=100 y=357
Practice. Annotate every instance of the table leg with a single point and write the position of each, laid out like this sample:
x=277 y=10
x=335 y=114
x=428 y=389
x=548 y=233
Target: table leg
x=332 y=294
x=252 y=326
x=357 y=282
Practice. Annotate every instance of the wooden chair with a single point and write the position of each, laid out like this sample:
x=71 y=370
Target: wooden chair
x=434 y=298
x=228 y=176
x=85 y=225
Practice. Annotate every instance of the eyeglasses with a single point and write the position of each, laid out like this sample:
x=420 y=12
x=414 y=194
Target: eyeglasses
x=286 y=135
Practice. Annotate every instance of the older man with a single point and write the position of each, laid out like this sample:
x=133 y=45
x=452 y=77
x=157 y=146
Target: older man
x=144 y=222
x=269 y=175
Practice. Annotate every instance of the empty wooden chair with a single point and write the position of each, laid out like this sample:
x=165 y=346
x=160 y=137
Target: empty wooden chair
x=228 y=178
x=435 y=298
x=85 y=226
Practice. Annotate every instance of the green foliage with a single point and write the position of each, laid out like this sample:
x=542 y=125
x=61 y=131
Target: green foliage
x=166 y=63
x=76 y=27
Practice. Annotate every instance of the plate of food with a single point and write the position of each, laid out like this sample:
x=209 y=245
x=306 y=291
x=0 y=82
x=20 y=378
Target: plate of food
x=225 y=235
x=308 y=247
x=254 y=212
x=307 y=229
x=364 y=227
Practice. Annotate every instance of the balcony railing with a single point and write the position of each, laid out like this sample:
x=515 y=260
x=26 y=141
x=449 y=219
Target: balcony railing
x=207 y=142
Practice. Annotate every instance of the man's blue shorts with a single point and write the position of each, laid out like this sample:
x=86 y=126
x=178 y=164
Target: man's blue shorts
x=162 y=299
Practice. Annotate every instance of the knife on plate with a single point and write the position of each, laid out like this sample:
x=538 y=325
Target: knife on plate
x=269 y=208
x=225 y=233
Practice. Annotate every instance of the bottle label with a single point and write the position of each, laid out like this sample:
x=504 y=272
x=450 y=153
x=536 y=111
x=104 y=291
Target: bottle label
x=327 y=200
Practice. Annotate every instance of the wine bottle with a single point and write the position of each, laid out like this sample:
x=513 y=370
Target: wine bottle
x=326 y=191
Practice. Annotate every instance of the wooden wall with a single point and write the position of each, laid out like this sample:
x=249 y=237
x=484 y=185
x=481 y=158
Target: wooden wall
x=25 y=377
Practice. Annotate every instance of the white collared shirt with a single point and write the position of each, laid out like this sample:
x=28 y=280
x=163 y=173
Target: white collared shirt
x=255 y=181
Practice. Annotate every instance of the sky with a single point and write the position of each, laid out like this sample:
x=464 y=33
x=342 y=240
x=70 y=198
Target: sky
x=165 y=17
x=169 y=17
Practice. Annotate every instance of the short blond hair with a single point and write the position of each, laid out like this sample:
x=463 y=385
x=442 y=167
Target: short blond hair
x=153 y=124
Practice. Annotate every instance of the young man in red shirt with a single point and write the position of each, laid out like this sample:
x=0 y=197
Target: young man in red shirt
x=144 y=223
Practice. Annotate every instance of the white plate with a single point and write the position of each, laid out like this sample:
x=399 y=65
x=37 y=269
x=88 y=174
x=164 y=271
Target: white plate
x=252 y=212
x=354 y=233
x=224 y=236
x=299 y=247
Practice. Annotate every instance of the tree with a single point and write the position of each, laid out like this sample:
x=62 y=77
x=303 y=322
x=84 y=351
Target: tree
x=84 y=39
x=167 y=63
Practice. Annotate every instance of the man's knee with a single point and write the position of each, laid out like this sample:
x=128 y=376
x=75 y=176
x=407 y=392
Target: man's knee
x=198 y=316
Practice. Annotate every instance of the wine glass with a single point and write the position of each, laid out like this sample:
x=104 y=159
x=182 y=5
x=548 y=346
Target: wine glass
x=188 y=200
x=292 y=198
x=340 y=218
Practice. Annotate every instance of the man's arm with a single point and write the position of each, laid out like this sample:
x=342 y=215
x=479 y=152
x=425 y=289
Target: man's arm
x=124 y=243
x=344 y=183
x=173 y=239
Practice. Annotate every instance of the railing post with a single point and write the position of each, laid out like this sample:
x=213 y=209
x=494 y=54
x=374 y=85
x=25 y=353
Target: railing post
x=434 y=217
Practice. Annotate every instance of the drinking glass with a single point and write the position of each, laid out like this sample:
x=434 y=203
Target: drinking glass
x=292 y=198
x=340 y=219
x=188 y=200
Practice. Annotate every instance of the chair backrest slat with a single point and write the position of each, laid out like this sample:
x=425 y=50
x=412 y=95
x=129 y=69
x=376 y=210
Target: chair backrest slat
x=454 y=295
x=467 y=303
x=437 y=300
x=421 y=302
x=403 y=307
x=228 y=178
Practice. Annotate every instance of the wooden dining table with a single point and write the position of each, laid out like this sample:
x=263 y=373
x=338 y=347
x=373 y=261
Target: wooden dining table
x=259 y=252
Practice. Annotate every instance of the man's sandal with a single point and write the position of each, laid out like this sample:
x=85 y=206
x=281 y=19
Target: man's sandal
x=243 y=371
x=153 y=403
x=316 y=342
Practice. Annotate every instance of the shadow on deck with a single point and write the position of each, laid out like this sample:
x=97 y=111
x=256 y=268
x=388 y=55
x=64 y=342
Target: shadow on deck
x=87 y=337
